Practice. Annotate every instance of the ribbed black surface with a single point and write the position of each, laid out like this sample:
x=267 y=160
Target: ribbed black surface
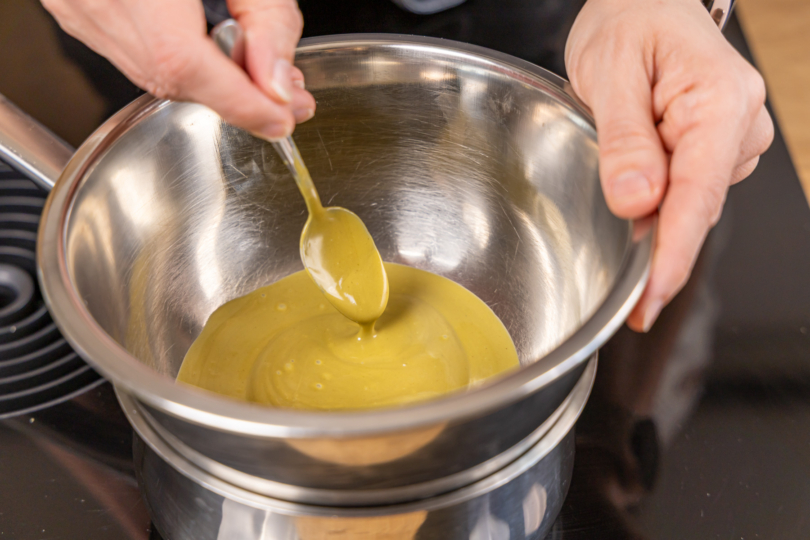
x=37 y=366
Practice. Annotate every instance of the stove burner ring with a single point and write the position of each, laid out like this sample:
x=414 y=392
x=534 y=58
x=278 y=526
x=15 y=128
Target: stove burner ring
x=37 y=366
x=16 y=293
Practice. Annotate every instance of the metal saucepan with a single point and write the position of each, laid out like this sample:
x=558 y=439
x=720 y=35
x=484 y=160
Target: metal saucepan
x=519 y=502
x=466 y=162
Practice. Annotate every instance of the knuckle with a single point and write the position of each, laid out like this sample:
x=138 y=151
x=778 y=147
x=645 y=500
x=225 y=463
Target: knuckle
x=591 y=57
x=622 y=136
x=758 y=95
x=760 y=136
x=725 y=98
x=733 y=100
x=630 y=149
x=744 y=171
x=755 y=85
x=580 y=67
x=683 y=113
x=623 y=32
x=710 y=197
x=296 y=17
x=744 y=91
x=768 y=137
x=173 y=65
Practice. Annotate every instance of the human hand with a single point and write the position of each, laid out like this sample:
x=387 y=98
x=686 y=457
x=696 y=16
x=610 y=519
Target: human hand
x=163 y=48
x=680 y=117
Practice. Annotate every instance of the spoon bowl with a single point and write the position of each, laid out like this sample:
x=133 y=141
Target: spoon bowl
x=340 y=256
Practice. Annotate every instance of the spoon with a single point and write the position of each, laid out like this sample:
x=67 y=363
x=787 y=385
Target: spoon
x=337 y=250
x=339 y=254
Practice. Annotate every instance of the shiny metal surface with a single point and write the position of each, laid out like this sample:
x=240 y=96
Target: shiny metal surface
x=462 y=161
x=30 y=146
x=364 y=497
x=720 y=10
x=519 y=501
x=230 y=38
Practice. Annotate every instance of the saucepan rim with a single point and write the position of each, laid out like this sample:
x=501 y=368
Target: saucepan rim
x=561 y=427
x=223 y=414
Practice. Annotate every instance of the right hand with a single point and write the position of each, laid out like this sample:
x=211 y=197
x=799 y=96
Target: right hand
x=680 y=117
x=163 y=48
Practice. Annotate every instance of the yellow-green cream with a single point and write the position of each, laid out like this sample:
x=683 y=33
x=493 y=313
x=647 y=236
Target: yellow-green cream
x=349 y=332
x=285 y=345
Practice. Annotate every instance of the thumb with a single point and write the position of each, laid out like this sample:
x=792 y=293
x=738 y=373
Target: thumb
x=272 y=30
x=632 y=161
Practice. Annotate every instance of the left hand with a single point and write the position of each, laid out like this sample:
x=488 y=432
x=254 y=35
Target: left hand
x=680 y=117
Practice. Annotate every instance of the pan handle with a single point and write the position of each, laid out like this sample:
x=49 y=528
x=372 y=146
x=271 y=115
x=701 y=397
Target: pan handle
x=30 y=147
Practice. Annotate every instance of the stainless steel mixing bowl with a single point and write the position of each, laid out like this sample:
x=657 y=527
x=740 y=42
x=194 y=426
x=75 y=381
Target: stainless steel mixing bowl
x=462 y=161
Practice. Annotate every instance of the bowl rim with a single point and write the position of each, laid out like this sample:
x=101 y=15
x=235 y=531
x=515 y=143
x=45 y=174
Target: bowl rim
x=219 y=413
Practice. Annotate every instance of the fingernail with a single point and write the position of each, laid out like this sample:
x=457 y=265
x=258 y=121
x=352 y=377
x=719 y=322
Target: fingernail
x=299 y=83
x=652 y=313
x=282 y=83
x=302 y=115
x=629 y=186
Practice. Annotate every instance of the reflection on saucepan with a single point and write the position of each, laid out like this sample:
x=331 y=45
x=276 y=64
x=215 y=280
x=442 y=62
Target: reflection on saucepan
x=648 y=385
x=367 y=450
x=396 y=527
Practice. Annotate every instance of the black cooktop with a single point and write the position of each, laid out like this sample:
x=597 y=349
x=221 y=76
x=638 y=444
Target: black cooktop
x=699 y=429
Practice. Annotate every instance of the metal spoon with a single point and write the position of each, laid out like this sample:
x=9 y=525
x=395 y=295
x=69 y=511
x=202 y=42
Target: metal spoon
x=336 y=248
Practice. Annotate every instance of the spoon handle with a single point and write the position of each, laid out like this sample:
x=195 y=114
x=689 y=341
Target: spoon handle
x=230 y=38
x=288 y=151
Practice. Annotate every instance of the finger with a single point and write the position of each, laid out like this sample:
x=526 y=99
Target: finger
x=272 y=29
x=744 y=171
x=757 y=140
x=210 y=78
x=700 y=173
x=298 y=78
x=632 y=161
x=303 y=105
